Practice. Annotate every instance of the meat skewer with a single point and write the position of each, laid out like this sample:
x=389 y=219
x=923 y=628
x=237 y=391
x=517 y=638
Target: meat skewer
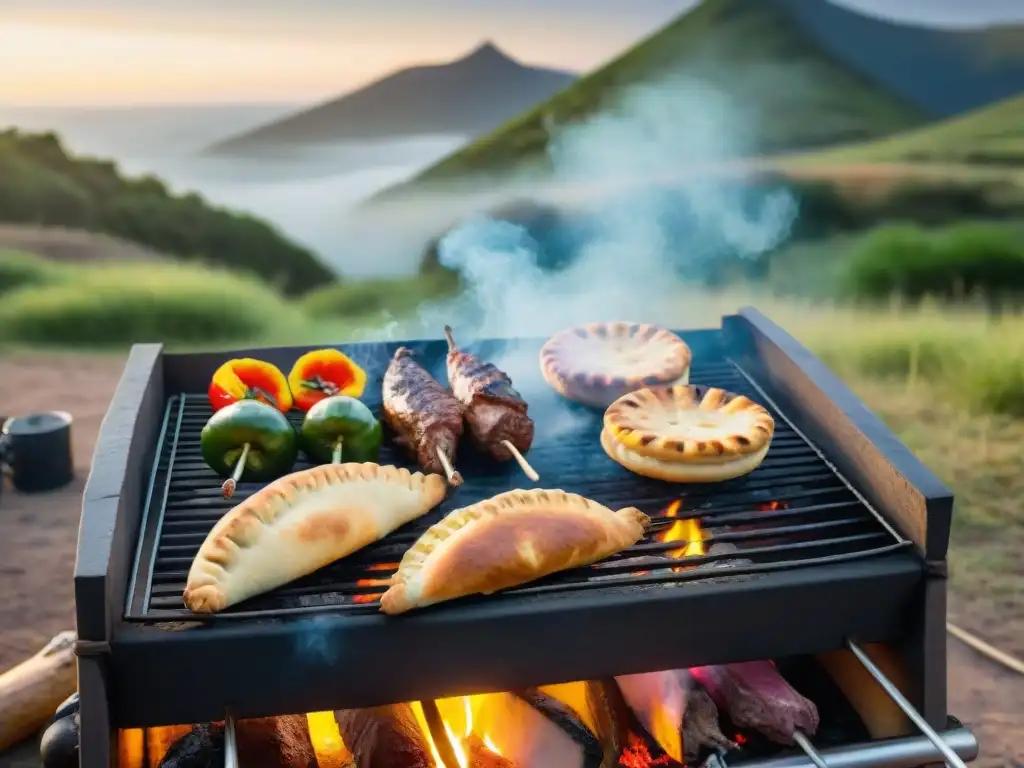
x=756 y=696
x=426 y=417
x=495 y=412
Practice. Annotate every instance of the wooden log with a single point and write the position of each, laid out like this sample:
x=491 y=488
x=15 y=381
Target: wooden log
x=384 y=737
x=32 y=691
x=480 y=755
x=610 y=714
x=565 y=718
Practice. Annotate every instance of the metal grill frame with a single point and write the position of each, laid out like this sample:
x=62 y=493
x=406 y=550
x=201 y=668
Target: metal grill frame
x=133 y=675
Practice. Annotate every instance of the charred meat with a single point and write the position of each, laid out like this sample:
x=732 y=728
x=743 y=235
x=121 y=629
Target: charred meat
x=426 y=417
x=495 y=412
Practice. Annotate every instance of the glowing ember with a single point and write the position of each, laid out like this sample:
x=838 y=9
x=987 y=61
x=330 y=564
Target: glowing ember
x=636 y=755
x=370 y=598
x=382 y=567
x=772 y=506
x=373 y=582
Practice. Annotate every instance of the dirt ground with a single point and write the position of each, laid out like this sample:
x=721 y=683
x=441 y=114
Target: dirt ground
x=38 y=536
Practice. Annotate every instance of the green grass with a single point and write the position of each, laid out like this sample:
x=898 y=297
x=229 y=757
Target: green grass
x=990 y=136
x=753 y=51
x=22 y=270
x=383 y=298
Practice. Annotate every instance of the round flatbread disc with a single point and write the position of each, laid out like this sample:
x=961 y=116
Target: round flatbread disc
x=687 y=433
x=598 y=363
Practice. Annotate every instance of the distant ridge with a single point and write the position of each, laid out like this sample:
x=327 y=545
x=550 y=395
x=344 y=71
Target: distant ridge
x=469 y=96
x=814 y=74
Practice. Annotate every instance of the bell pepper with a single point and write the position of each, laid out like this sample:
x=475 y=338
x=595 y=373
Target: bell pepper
x=248 y=440
x=249 y=379
x=324 y=373
x=341 y=428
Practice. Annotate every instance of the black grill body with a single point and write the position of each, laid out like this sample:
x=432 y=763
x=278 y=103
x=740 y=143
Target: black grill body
x=844 y=535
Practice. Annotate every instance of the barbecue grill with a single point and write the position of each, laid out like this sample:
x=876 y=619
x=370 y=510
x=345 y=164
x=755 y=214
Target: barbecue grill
x=843 y=535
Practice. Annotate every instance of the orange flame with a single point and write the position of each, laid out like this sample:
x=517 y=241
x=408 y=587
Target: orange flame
x=772 y=506
x=457 y=718
x=686 y=530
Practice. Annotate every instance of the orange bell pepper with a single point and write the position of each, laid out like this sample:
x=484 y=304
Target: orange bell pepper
x=249 y=379
x=323 y=373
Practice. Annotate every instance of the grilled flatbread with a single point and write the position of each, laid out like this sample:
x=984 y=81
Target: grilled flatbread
x=687 y=434
x=597 y=363
x=508 y=540
x=300 y=523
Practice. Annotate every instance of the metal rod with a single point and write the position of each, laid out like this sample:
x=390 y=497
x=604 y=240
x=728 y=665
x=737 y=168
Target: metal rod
x=952 y=758
x=805 y=744
x=230 y=742
x=439 y=734
x=905 y=752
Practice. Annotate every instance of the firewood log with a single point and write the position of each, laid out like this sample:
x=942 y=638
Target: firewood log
x=384 y=737
x=31 y=691
x=480 y=756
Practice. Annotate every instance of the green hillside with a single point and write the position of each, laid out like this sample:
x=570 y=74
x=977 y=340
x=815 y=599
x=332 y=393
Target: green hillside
x=755 y=52
x=42 y=184
x=993 y=135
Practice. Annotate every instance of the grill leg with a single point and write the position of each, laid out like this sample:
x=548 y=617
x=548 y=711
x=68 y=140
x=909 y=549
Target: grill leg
x=96 y=736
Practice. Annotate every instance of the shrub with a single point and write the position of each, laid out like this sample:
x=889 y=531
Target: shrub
x=41 y=183
x=21 y=270
x=948 y=262
x=115 y=305
x=368 y=297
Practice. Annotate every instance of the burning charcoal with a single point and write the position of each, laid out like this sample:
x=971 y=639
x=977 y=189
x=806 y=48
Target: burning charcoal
x=610 y=715
x=482 y=756
x=658 y=699
x=274 y=742
x=700 y=726
x=384 y=737
x=756 y=696
x=532 y=729
x=201 y=747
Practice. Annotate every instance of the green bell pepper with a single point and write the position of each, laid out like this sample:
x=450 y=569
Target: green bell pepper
x=260 y=431
x=341 y=428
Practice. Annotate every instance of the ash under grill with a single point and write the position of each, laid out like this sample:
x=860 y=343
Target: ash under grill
x=794 y=511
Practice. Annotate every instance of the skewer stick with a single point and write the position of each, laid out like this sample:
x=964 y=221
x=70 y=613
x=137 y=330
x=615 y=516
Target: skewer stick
x=336 y=456
x=805 y=744
x=521 y=460
x=449 y=338
x=228 y=488
x=454 y=478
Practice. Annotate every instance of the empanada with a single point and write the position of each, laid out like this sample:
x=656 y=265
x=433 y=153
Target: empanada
x=687 y=434
x=300 y=523
x=597 y=363
x=507 y=540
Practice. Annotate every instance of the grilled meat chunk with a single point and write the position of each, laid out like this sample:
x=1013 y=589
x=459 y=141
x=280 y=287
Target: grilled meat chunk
x=426 y=417
x=495 y=412
x=756 y=696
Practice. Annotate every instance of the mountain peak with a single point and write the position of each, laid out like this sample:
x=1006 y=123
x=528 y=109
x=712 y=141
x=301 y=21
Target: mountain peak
x=487 y=51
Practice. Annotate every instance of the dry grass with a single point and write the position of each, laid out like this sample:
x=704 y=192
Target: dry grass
x=75 y=245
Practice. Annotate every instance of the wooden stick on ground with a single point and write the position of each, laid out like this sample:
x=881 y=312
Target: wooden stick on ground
x=989 y=651
x=31 y=692
x=454 y=478
x=521 y=460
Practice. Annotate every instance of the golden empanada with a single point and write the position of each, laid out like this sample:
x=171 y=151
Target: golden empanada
x=508 y=540
x=300 y=523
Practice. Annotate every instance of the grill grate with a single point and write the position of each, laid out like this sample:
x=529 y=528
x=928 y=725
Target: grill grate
x=793 y=511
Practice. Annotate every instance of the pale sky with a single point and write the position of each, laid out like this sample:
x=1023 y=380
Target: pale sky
x=112 y=52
